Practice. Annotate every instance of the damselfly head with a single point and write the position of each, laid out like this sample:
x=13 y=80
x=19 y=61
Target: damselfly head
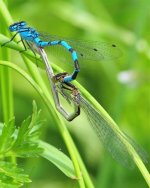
x=17 y=25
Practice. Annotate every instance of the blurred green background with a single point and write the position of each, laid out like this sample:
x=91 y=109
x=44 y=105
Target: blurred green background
x=121 y=86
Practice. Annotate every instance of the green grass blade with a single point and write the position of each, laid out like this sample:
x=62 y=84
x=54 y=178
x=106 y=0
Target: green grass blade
x=58 y=159
x=136 y=158
x=63 y=130
x=6 y=82
x=114 y=126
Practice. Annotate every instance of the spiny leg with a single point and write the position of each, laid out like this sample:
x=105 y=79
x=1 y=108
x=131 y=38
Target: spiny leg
x=31 y=48
x=19 y=41
x=67 y=88
x=32 y=51
x=70 y=93
x=25 y=48
x=70 y=86
x=10 y=39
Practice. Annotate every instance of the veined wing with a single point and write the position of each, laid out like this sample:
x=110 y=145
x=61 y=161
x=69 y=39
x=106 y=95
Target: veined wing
x=89 y=50
x=110 y=139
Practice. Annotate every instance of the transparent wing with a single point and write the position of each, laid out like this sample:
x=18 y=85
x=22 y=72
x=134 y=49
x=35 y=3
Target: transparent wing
x=109 y=138
x=88 y=50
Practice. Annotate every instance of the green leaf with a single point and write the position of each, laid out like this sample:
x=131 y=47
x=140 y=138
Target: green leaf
x=58 y=158
x=21 y=142
x=28 y=133
x=12 y=176
x=28 y=150
x=6 y=138
x=23 y=132
x=36 y=123
x=18 y=143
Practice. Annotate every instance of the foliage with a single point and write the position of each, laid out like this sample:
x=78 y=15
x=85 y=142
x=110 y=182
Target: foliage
x=12 y=176
x=18 y=142
x=125 y=99
x=23 y=142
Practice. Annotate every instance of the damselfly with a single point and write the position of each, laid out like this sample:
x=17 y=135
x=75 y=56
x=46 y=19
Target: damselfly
x=79 y=50
x=115 y=141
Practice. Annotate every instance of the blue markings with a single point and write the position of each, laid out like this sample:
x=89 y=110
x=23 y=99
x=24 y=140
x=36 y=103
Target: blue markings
x=71 y=77
x=17 y=26
x=74 y=56
x=30 y=34
x=88 y=50
x=77 y=70
x=40 y=43
x=54 y=42
x=65 y=44
x=68 y=78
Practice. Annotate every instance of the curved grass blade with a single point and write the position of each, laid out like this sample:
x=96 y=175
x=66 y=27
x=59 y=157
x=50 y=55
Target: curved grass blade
x=13 y=45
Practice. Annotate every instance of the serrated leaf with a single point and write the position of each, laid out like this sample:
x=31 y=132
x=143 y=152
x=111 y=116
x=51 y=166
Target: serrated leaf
x=28 y=133
x=28 y=150
x=6 y=138
x=36 y=119
x=11 y=175
x=58 y=158
x=8 y=185
x=23 y=131
x=21 y=142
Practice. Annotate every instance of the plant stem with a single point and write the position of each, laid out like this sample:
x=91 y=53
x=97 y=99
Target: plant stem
x=62 y=127
x=6 y=83
x=110 y=121
x=8 y=19
x=114 y=126
x=63 y=130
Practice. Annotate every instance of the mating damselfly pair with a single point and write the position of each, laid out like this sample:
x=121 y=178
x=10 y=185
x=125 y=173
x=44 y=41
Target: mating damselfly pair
x=113 y=139
x=79 y=50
